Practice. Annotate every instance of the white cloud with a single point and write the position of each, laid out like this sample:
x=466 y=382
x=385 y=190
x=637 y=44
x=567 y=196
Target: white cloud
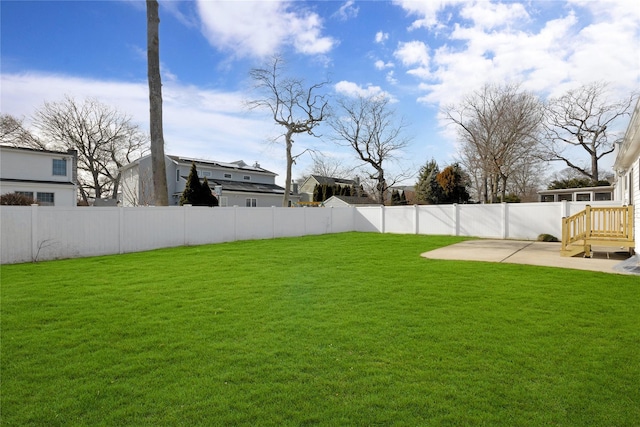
x=381 y=37
x=391 y=78
x=500 y=45
x=262 y=28
x=347 y=10
x=198 y=123
x=488 y=15
x=427 y=11
x=352 y=89
x=381 y=65
x=414 y=54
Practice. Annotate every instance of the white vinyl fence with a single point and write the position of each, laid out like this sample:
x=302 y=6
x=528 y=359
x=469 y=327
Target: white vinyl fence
x=35 y=233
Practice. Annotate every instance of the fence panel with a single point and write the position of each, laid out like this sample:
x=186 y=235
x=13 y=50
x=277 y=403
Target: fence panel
x=70 y=232
x=529 y=220
x=146 y=228
x=254 y=223
x=15 y=234
x=437 y=219
x=342 y=219
x=368 y=219
x=400 y=219
x=480 y=220
x=289 y=222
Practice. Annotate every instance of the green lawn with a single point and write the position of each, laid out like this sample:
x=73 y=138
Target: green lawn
x=336 y=330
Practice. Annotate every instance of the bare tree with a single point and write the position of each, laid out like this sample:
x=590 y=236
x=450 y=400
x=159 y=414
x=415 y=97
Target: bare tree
x=158 y=167
x=498 y=127
x=370 y=127
x=296 y=107
x=13 y=132
x=330 y=166
x=583 y=118
x=104 y=138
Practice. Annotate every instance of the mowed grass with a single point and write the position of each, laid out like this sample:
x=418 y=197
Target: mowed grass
x=346 y=329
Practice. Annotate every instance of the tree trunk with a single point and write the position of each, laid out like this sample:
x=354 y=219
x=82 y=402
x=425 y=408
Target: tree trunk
x=287 y=179
x=160 y=192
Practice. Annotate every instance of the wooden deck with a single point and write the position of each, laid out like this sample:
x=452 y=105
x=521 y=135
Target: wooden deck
x=601 y=226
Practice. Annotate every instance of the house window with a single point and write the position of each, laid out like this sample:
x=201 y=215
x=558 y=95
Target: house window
x=204 y=173
x=547 y=198
x=583 y=197
x=227 y=176
x=252 y=203
x=224 y=201
x=567 y=197
x=60 y=167
x=45 y=199
x=177 y=175
x=28 y=194
x=602 y=196
x=247 y=177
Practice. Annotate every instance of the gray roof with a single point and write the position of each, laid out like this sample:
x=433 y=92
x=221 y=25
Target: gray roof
x=331 y=181
x=237 y=165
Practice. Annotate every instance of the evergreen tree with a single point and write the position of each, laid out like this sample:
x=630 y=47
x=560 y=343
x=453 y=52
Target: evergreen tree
x=317 y=193
x=403 y=199
x=192 y=190
x=206 y=197
x=428 y=191
x=454 y=184
x=395 y=198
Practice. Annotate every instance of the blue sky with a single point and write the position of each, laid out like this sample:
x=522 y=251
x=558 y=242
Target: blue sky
x=422 y=54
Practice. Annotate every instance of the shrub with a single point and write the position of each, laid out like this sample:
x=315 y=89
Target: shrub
x=547 y=238
x=16 y=199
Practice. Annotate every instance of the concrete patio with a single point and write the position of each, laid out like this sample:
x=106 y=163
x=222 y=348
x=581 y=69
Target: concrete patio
x=605 y=259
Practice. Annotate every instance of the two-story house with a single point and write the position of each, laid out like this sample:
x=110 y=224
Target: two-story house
x=235 y=183
x=49 y=177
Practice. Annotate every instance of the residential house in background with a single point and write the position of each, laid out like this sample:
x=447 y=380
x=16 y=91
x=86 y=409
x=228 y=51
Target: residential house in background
x=584 y=194
x=627 y=168
x=309 y=185
x=49 y=177
x=235 y=183
x=342 y=201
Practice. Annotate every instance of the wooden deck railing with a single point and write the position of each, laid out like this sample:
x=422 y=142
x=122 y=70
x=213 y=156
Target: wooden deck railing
x=604 y=226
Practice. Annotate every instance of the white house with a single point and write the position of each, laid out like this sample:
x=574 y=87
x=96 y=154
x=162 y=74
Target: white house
x=239 y=183
x=627 y=168
x=49 y=177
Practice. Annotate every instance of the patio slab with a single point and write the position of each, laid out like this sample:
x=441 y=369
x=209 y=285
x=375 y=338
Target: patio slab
x=537 y=253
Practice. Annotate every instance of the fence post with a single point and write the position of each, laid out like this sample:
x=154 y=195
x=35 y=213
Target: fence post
x=505 y=220
x=416 y=219
x=382 y=219
x=34 y=231
x=456 y=222
x=235 y=223
x=121 y=230
x=273 y=222
x=331 y=220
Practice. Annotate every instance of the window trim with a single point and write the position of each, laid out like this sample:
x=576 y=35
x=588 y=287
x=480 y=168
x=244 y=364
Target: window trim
x=58 y=165
x=40 y=195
